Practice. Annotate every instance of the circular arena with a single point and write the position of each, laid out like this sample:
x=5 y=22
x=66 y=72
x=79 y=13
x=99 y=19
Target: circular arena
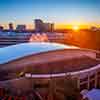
x=27 y=65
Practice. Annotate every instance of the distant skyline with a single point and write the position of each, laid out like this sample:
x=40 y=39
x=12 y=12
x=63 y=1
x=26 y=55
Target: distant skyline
x=64 y=13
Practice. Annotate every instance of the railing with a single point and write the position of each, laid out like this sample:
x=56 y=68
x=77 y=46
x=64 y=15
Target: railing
x=79 y=74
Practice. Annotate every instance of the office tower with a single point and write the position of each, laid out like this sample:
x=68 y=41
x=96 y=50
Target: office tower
x=1 y=28
x=40 y=26
x=11 y=28
x=21 y=28
x=48 y=27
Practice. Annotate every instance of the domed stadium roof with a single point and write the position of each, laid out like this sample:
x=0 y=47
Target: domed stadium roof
x=20 y=50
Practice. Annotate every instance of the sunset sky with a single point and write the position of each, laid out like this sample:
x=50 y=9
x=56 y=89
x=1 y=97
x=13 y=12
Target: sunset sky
x=64 y=13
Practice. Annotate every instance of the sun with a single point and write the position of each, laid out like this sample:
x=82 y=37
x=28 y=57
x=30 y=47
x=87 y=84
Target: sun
x=76 y=28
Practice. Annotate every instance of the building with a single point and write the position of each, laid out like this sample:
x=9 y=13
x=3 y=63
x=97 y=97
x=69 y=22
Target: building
x=21 y=28
x=94 y=28
x=40 y=26
x=11 y=27
x=1 y=28
x=43 y=66
x=52 y=27
x=48 y=27
x=51 y=58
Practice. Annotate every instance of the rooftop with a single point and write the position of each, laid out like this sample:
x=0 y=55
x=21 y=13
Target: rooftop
x=20 y=50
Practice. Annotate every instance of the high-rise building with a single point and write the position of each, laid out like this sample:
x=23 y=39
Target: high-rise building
x=1 y=28
x=52 y=27
x=48 y=27
x=11 y=28
x=40 y=26
x=21 y=28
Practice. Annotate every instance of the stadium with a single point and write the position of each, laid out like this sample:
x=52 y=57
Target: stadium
x=28 y=66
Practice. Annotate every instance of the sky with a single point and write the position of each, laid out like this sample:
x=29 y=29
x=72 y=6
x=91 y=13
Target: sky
x=61 y=12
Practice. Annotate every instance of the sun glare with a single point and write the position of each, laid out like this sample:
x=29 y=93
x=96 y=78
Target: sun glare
x=76 y=28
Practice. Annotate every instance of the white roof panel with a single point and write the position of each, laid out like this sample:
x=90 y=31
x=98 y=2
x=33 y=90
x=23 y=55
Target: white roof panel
x=20 y=50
